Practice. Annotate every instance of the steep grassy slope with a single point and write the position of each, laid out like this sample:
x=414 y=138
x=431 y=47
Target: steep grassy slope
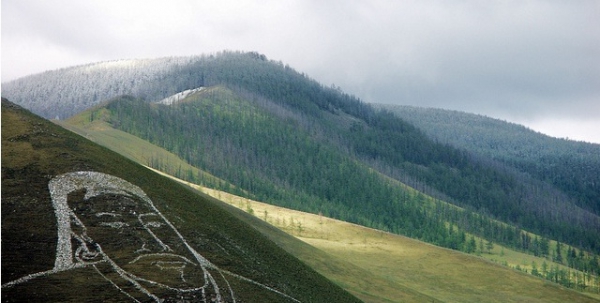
x=350 y=276
x=243 y=263
x=399 y=269
x=381 y=267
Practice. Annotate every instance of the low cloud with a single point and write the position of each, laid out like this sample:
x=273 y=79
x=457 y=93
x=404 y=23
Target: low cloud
x=522 y=61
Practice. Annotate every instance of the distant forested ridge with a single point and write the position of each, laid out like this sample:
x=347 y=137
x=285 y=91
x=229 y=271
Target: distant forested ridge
x=279 y=136
x=573 y=167
x=65 y=92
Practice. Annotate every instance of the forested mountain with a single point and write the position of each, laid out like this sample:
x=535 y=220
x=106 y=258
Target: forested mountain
x=573 y=167
x=65 y=92
x=281 y=137
x=81 y=223
x=325 y=164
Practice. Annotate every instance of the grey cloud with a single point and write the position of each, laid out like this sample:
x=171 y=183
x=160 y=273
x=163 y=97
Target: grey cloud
x=509 y=59
x=527 y=57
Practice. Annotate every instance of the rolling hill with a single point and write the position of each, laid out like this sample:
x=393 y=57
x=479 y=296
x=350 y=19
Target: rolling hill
x=100 y=130
x=373 y=265
x=406 y=270
x=257 y=128
x=569 y=165
x=285 y=156
x=81 y=223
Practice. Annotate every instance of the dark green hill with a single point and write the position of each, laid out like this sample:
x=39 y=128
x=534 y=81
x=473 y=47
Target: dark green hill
x=324 y=161
x=279 y=136
x=573 y=167
x=134 y=236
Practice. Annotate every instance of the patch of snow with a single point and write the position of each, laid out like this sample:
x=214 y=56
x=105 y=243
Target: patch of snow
x=179 y=96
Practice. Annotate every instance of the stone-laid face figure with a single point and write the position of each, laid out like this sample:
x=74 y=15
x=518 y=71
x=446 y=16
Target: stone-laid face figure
x=111 y=226
x=103 y=219
x=137 y=238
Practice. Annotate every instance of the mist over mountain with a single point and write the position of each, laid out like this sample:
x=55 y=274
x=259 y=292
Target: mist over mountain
x=276 y=135
x=65 y=92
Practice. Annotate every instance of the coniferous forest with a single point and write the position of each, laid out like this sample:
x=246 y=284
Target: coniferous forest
x=276 y=135
x=569 y=165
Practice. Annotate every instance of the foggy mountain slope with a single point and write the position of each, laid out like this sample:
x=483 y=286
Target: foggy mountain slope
x=67 y=91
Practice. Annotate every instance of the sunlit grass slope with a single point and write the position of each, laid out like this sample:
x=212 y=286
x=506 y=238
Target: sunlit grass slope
x=373 y=265
x=35 y=151
x=403 y=263
x=134 y=148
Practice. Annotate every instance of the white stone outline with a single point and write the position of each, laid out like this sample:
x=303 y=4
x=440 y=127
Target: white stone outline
x=97 y=183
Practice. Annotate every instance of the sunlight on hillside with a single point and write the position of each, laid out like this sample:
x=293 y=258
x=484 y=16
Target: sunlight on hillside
x=414 y=270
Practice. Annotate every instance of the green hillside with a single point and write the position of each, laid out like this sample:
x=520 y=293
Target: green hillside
x=291 y=158
x=256 y=109
x=400 y=263
x=258 y=128
x=99 y=131
x=571 y=166
x=334 y=127
x=381 y=267
x=136 y=149
x=67 y=233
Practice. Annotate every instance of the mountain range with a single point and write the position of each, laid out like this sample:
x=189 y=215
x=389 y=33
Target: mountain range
x=569 y=165
x=258 y=128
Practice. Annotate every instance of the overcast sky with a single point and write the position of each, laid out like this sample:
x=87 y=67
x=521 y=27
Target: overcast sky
x=535 y=63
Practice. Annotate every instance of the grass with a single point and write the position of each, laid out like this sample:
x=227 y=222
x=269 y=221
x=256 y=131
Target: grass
x=132 y=147
x=395 y=264
x=34 y=151
x=373 y=265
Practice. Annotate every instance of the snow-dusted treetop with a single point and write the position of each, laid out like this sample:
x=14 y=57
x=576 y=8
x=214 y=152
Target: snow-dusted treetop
x=64 y=92
x=68 y=91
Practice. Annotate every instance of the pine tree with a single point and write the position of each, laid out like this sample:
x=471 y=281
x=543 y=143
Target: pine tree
x=544 y=269
x=544 y=247
x=534 y=269
x=489 y=245
x=558 y=255
x=471 y=245
x=481 y=247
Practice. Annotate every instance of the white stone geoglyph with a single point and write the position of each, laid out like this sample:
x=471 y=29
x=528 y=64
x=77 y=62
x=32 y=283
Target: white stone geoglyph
x=70 y=227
